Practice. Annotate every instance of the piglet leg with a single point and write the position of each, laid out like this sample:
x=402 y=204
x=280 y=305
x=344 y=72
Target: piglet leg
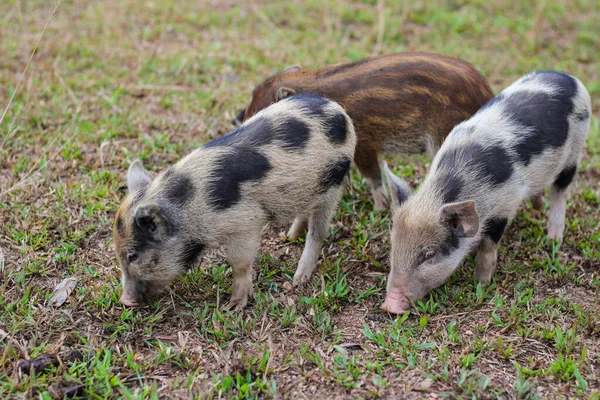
x=487 y=258
x=299 y=225
x=240 y=253
x=378 y=193
x=537 y=201
x=317 y=229
x=558 y=209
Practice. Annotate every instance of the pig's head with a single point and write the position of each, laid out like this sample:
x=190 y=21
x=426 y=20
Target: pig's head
x=426 y=243
x=272 y=90
x=151 y=256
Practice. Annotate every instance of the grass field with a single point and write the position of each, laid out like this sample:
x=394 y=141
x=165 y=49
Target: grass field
x=115 y=80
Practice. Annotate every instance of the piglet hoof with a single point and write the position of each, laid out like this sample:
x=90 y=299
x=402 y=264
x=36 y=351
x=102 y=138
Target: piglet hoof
x=236 y=305
x=293 y=234
x=128 y=300
x=300 y=280
x=555 y=235
x=381 y=202
x=297 y=228
x=484 y=274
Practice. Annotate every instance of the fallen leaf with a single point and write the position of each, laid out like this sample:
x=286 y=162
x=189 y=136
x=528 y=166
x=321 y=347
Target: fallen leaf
x=424 y=386
x=60 y=392
x=62 y=291
x=45 y=361
x=38 y=364
x=352 y=346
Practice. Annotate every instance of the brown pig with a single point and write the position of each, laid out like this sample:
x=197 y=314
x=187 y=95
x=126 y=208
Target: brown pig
x=403 y=103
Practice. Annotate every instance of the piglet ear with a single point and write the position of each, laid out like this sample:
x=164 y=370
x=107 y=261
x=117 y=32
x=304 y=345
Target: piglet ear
x=461 y=218
x=284 y=93
x=137 y=176
x=399 y=189
x=292 y=68
x=239 y=118
x=153 y=223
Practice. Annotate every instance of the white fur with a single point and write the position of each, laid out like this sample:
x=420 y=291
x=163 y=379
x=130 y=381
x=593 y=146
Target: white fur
x=291 y=189
x=491 y=126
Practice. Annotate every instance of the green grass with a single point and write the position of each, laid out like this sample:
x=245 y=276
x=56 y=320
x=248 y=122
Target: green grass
x=116 y=80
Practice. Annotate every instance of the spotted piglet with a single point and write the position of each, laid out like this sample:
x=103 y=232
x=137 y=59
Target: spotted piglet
x=287 y=161
x=525 y=140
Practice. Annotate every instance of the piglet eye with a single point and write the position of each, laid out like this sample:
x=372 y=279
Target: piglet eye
x=131 y=257
x=428 y=255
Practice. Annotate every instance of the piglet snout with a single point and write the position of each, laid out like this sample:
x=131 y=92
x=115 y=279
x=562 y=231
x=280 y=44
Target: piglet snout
x=128 y=300
x=395 y=303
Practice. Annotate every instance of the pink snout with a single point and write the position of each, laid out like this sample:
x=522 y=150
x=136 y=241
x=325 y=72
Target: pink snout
x=128 y=300
x=397 y=298
x=395 y=303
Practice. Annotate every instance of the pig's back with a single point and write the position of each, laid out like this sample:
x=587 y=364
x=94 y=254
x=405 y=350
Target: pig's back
x=282 y=160
x=521 y=139
x=400 y=102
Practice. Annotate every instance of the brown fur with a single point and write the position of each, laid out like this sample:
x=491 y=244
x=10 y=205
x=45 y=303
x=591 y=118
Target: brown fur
x=400 y=103
x=121 y=234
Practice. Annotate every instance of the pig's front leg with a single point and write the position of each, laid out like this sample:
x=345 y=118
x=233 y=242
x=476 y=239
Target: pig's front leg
x=558 y=203
x=487 y=253
x=378 y=193
x=240 y=254
x=317 y=229
x=487 y=258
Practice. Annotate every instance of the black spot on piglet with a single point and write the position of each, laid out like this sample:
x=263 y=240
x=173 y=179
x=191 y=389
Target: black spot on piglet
x=256 y=133
x=564 y=179
x=492 y=163
x=337 y=128
x=450 y=244
x=450 y=185
x=179 y=188
x=334 y=173
x=312 y=103
x=494 y=228
x=191 y=250
x=294 y=133
x=545 y=116
x=231 y=170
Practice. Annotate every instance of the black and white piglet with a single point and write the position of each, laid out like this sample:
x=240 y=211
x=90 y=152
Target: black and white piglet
x=286 y=162
x=525 y=140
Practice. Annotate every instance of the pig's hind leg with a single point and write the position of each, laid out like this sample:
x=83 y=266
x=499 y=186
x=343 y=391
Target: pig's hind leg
x=317 y=229
x=558 y=202
x=537 y=201
x=487 y=253
x=367 y=161
x=241 y=250
x=299 y=225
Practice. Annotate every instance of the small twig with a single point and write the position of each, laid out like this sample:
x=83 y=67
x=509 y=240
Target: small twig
x=380 y=28
x=167 y=88
x=271 y=352
x=115 y=107
x=460 y=314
